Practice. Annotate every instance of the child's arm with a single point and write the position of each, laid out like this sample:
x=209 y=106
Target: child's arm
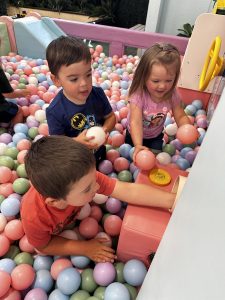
x=136 y=129
x=110 y=122
x=94 y=249
x=17 y=93
x=142 y=194
x=179 y=115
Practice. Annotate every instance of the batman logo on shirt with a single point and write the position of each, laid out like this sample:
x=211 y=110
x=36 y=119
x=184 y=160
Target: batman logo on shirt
x=78 y=121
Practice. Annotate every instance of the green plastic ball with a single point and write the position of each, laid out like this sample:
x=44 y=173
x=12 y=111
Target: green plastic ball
x=125 y=175
x=108 y=147
x=12 y=252
x=21 y=185
x=24 y=258
x=2 y=130
x=23 y=80
x=1 y=198
x=21 y=86
x=119 y=272
x=32 y=132
x=16 y=164
x=87 y=281
x=132 y=291
x=80 y=295
x=11 y=152
x=21 y=171
x=100 y=292
x=170 y=149
x=7 y=161
x=92 y=298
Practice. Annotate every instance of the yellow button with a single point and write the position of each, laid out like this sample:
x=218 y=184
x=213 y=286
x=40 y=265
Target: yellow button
x=160 y=177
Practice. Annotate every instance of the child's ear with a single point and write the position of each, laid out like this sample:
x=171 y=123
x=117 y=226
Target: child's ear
x=55 y=80
x=58 y=203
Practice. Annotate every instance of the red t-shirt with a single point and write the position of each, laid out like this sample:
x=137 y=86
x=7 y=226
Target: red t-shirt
x=40 y=221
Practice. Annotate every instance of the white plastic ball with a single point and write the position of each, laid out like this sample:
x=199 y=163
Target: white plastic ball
x=171 y=129
x=40 y=115
x=163 y=158
x=98 y=133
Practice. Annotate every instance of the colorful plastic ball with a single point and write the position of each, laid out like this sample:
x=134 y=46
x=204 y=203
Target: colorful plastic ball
x=116 y=291
x=100 y=292
x=171 y=129
x=43 y=280
x=105 y=167
x=84 y=212
x=104 y=273
x=4 y=242
x=163 y=158
x=145 y=160
x=12 y=152
x=113 y=205
x=5 y=174
x=68 y=281
x=14 y=230
x=6 y=161
x=112 y=225
x=190 y=109
x=190 y=156
x=3 y=222
x=187 y=134
x=43 y=263
x=43 y=129
x=170 y=149
x=23 y=145
x=183 y=163
x=3 y=147
x=7 y=265
x=5 y=138
x=112 y=154
x=177 y=144
x=132 y=291
x=58 y=266
x=124 y=150
x=22 y=277
x=21 y=171
x=117 y=139
x=5 y=280
x=21 y=185
x=125 y=175
x=88 y=227
x=24 y=258
x=106 y=237
x=10 y=207
x=121 y=164
x=98 y=133
x=80 y=262
x=99 y=198
x=134 y=272
x=18 y=136
x=6 y=189
x=32 y=132
x=119 y=266
x=197 y=103
x=80 y=295
x=87 y=281
x=36 y=294
x=57 y=295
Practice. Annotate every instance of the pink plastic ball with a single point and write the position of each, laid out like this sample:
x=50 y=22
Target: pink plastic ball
x=5 y=280
x=104 y=273
x=6 y=189
x=123 y=112
x=187 y=134
x=59 y=265
x=84 y=212
x=23 y=145
x=88 y=228
x=99 y=198
x=14 y=230
x=12 y=295
x=36 y=294
x=43 y=129
x=112 y=225
x=96 y=213
x=5 y=174
x=121 y=164
x=21 y=155
x=112 y=154
x=99 y=48
x=5 y=244
x=25 y=246
x=145 y=160
x=22 y=277
x=48 y=96
x=117 y=139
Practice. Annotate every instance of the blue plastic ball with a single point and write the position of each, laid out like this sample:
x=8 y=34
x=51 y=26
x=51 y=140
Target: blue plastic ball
x=20 y=127
x=134 y=272
x=18 y=137
x=7 y=265
x=68 y=281
x=10 y=207
x=197 y=103
x=116 y=291
x=80 y=262
x=42 y=262
x=124 y=150
x=43 y=280
x=183 y=163
x=184 y=151
x=57 y=295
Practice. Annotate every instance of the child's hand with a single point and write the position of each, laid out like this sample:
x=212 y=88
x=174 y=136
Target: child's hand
x=137 y=149
x=83 y=139
x=23 y=93
x=98 y=252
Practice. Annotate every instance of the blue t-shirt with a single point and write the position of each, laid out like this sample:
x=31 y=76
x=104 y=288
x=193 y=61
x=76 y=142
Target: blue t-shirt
x=67 y=118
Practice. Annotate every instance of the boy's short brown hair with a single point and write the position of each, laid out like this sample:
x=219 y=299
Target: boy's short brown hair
x=65 y=51
x=54 y=163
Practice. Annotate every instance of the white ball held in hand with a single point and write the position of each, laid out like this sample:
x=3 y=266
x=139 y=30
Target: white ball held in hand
x=98 y=133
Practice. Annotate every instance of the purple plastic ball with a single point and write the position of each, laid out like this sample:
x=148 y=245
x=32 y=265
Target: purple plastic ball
x=105 y=167
x=104 y=273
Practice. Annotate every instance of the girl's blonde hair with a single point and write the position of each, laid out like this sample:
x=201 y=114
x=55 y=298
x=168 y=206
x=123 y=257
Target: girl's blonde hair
x=162 y=54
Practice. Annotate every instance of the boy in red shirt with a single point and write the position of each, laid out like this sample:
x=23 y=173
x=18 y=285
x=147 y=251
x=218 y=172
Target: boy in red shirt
x=64 y=178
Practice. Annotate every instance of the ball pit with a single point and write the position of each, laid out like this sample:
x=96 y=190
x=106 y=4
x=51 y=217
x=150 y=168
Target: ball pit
x=24 y=274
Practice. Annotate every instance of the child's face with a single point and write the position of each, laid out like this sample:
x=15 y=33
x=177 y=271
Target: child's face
x=76 y=80
x=83 y=191
x=160 y=82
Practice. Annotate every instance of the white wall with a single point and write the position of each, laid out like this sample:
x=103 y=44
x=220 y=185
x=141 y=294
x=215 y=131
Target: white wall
x=166 y=16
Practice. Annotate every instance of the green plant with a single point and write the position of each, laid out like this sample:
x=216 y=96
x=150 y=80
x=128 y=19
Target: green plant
x=106 y=9
x=186 y=31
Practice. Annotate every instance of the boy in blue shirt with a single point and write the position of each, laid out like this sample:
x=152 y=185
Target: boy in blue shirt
x=78 y=105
